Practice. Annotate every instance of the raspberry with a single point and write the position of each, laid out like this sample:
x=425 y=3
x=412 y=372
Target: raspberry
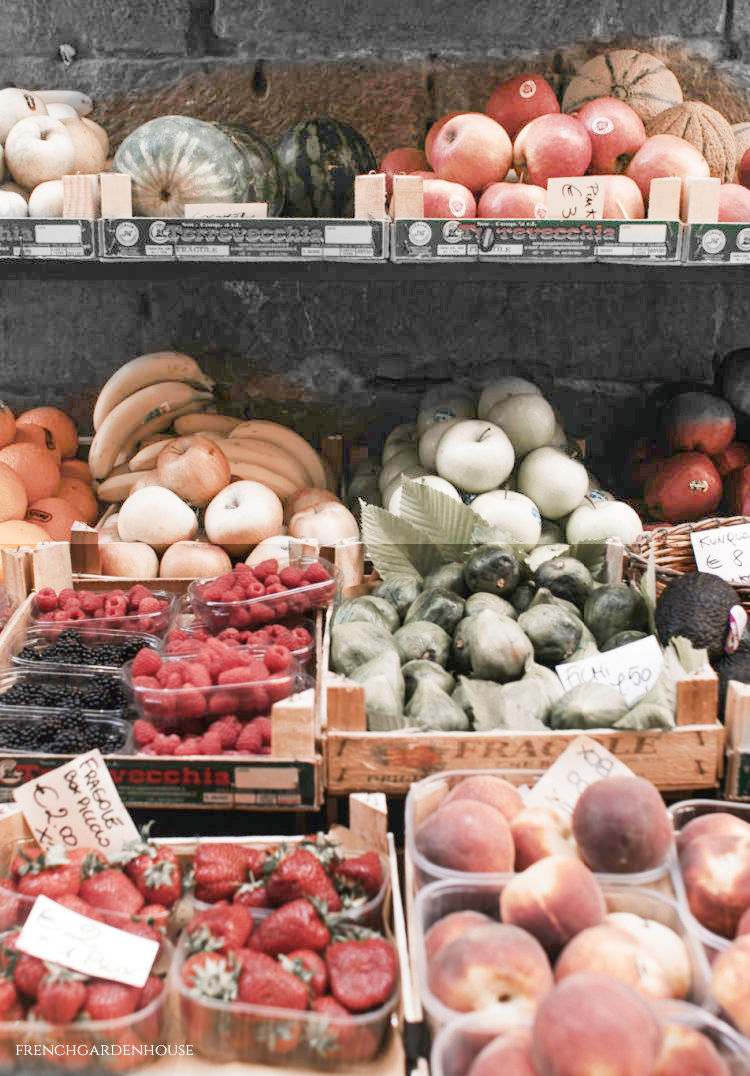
x=261 y=613
x=260 y=699
x=212 y=592
x=149 y=604
x=197 y=674
x=277 y=658
x=181 y=646
x=136 y=594
x=221 y=702
x=243 y=569
x=256 y=589
x=244 y=674
x=228 y=728
x=191 y=745
x=149 y=682
x=143 y=732
x=261 y=637
x=210 y=743
x=315 y=573
x=145 y=663
x=301 y=636
x=264 y=724
x=291 y=577
x=70 y=601
x=266 y=567
x=91 y=603
x=271 y=580
x=115 y=605
x=59 y=614
x=250 y=740
x=46 y=600
x=65 y=595
x=74 y=612
x=165 y=745
x=174 y=680
x=229 y=635
x=190 y=703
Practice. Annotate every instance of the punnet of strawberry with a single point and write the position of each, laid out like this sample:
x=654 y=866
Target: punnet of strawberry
x=253 y=597
x=136 y=609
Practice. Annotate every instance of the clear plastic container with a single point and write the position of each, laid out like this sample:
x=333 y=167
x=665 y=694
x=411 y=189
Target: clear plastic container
x=96 y=726
x=101 y=693
x=256 y=612
x=155 y=623
x=441 y=898
x=189 y=628
x=93 y=637
x=6 y=606
x=458 y=1043
x=682 y=813
x=237 y=1031
x=425 y=796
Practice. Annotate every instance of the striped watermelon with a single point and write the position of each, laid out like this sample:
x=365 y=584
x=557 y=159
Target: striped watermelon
x=320 y=159
x=176 y=159
x=638 y=78
x=267 y=181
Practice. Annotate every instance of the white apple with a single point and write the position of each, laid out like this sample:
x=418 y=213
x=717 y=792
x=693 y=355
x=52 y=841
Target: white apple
x=429 y=440
x=328 y=523
x=527 y=419
x=443 y=390
x=500 y=389
x=401 y=436
x=194 y=559
x=58 y=110
x=90 y=154
x=598 y=518
x=512 y=512
x=555 y=482
x=128 y=560
x=157 y=516
x=12 y=205
x=16 y=105
x=305 y=497
x=415 y=471
x=194 y=468
x=449 y=407
x=39 y=148
x=392 y=468
x=393 y=504
x=46 y=199
x=97 y=130
x=474 y=455
x=283 y=548
x=241 y=515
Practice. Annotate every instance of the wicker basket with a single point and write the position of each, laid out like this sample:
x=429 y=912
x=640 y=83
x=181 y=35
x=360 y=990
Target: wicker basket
x=673 y=552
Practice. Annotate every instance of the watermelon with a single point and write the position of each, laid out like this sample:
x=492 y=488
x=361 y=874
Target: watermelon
x=267 y=180
x=320 y=159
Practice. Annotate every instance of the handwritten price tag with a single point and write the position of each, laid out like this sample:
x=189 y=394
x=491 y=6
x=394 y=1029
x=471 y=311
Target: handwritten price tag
x=75 y=805
x=633 y=669
x=57 y=934
x=724 y=551
x=576 y=198
x=580 y=764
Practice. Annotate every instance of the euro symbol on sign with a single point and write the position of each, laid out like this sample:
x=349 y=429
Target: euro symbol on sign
x=713 y=563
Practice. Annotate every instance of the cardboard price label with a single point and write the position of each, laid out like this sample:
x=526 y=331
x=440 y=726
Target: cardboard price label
x=633 y=669
x=75 y=805
x=57 y=934
x=576 y=198
x=582 y=763
x=723 y=551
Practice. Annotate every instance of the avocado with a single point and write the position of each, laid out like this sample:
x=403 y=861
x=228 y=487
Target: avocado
x=567 y=578
x=696 y=606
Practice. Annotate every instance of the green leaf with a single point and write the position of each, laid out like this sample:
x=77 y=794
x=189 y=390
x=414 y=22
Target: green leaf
x=487 y=534
x=446 y=522
x=395 y=547
x=689 y=656
x=647 y=588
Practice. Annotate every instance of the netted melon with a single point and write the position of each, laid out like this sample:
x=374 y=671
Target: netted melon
x=640 y=79
x=704 y=128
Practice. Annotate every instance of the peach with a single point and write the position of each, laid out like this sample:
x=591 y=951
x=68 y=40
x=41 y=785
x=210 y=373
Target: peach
x=466 y=835
x=730 y=982
x=610 y=950
x=509 y=1054
x=664 y=944
x=554 y=899
x=716 y=874
x=743 y=927
x=486 y=788
x=451 y=926
x=720 y=822
x=541 y=831
x=687 y=1052
x=593 y=1025
x=621 y=825
x=490 y=965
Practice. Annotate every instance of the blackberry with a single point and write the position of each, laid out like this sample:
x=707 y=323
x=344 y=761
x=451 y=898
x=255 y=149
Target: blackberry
x=28 y=653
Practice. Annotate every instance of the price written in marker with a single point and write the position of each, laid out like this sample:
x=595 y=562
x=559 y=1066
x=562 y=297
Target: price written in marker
x=57 y=934
x=723 y=551
x=582 y=763
x=633 y=669
x=576 y=198
x=76 y=805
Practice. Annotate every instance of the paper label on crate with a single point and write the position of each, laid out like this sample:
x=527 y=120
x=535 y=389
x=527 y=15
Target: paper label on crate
x=723 y=551
x=633 y=669
x=580 y=764
x=57 y=934
x=575 y=198
x=77 y=805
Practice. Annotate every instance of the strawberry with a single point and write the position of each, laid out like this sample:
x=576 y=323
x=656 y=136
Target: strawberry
x=222 y=926
x=300 y=874
x=154 y=869
x=49 y=873
x=363 y=972
x=153 y=915
x=150 y=991
x=28 y=972
x=75 y=904
x=8 y=995
x=309 y=967
x=60 y=994
x=112 y=890
x=263 y=981
x=211 y=975
x=106 y=1000
x=145 y=663
x=297 y=925
x=218 y=870
x=10 y=904
x=251 y=895
x=336 y=1036
x=365 y=872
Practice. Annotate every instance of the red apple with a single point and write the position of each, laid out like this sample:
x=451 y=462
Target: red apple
x=435 y=130
x=616 y=132
x=553 y=145
x=404 y=159
x=743 y=169
x=471 y=149
x=445 y=199
x=665 y=155
x=519 y=100
x=734 y=202
x=513 y=201
x=622 y=199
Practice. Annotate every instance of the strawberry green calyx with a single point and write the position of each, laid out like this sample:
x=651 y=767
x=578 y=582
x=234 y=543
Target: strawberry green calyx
x=296 y=967
x=215 y=978
x=91 y=865
x=55 y=856
x=142 y=845
x=159 y=873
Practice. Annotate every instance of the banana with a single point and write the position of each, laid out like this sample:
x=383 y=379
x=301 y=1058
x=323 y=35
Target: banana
x=149 y=369
x=281 y=486
x=264 y=454
x=132 y=415
x=154 y=426
x=204 y=422
x=81 y=102
x=144 y=459
x=289 y=440
x=115 y=488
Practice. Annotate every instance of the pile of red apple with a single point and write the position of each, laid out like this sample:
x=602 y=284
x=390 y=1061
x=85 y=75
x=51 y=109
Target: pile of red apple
x=468 y=157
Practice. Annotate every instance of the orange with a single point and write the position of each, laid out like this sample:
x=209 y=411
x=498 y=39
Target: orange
x=7 y=425
x=55 y=515
x=60 y=425
x=13 y=499
x=37 y=435
x=15 y=533
x=76 y=469
x=35 y=466
x=81 y=496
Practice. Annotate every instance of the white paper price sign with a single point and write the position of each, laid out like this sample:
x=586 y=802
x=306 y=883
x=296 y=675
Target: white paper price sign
x=580 y=764
x=75 y=805
x=724 y=551
x=575 y=198
x=633 y=669
x=57 y=934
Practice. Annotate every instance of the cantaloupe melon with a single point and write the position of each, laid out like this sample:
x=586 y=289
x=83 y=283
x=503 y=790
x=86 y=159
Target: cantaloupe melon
x=638 y=78
x=741 y=132
x=704 y=128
